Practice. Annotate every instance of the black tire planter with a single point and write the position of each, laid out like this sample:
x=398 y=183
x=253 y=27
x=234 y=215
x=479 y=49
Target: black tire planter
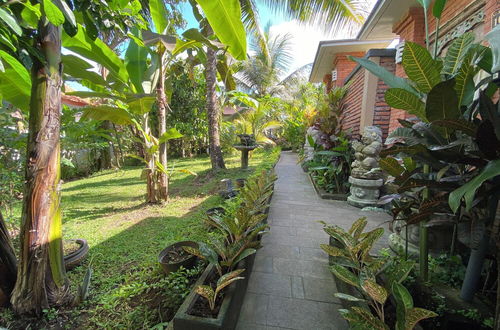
x=169 y=267
x=240 y=183
x=231 y=305
x=216 y=211
x=76 y=258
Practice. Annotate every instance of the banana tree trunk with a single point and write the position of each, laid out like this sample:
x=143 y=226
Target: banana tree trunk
x=151 y=189
x=41 y=278
x=8 y=262
x=161 y=100
x=212 y=112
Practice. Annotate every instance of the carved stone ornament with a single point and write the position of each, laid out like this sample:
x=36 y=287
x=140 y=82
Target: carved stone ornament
x=467 y=25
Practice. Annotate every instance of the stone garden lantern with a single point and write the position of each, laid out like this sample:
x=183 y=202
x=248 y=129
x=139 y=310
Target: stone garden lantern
x=366 y=176
x=247 y=144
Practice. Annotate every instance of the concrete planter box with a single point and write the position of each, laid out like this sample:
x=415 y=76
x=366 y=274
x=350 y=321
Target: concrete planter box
x=326 y=195
x=231 y=304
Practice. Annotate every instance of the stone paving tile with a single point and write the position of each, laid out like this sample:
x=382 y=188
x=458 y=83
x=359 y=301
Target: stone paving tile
x=282 y=239
x=303 y=314
x=263 y=264
x=320 y=289
x=281 y=251
x=306 y=253
x=297 y=287
x=291 y=286
x=316 y=269
x=269 y=283
x=254 y=309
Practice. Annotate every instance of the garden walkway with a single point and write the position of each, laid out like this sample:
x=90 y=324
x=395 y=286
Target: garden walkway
x=291 y=286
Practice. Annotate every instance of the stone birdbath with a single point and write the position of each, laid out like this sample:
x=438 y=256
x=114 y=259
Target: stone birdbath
x=247 y=144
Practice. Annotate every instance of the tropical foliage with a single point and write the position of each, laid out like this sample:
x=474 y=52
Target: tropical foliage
x=353 y=264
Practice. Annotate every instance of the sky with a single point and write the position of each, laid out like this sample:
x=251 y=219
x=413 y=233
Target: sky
x=305 y=39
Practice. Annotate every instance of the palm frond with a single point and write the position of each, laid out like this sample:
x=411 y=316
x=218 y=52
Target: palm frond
x=333 y=16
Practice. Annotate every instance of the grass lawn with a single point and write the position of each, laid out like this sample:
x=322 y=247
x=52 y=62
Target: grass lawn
x=125 y=237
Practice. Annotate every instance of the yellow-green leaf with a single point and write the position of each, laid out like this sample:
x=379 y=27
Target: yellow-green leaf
x=375 y=291
x=420 y=67
x=357 y=227
x=332 y=250
x=345 y=275
x=415 y=315
x=402 y=99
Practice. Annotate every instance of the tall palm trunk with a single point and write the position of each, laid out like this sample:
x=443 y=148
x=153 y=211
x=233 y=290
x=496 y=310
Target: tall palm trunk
x=8 y=266
x=213 y=113
x=41 y=279
x=161 y=100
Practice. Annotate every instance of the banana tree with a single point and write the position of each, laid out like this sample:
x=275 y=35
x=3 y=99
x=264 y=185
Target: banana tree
x=41 y=278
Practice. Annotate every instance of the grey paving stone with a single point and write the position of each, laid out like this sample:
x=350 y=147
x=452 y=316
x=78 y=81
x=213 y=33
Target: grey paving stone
x=281 y=239
x=281 y=251
x=320 y=289
x=297 y=287
x=270 y=283
x=291 y=282
x=263 y=264
x=306 y=268
x=303 y=314
x=254 y=309
x=313 y=254
x=283 y=230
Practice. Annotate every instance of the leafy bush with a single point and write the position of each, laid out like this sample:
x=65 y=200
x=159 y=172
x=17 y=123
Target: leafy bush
x=353 y=264
x=331 y=168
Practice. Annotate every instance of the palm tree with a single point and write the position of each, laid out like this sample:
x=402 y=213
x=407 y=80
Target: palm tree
x=271 y=58
x=331 y=15
x=272 y=54
x=257 y=120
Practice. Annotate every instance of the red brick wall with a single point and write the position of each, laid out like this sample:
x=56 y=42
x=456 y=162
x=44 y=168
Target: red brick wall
x=345 y=66
x=382 y=112
x=412 y=28
x=452 y=9
x=351 y=119
x=490 y=7
x=352 y=113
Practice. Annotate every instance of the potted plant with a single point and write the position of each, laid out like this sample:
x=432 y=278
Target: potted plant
x=174 y=256
x=217 y=296
x=372 y=285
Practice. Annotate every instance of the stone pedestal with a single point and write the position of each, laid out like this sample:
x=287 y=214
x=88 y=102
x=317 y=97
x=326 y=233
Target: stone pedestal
x=364 y=192
x=244 y=154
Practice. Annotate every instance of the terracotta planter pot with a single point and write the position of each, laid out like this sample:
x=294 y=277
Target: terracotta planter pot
x=77 y=257
x=169 y=266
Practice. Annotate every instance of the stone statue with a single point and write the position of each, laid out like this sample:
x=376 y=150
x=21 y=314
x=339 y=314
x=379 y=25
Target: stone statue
x=366 y=175
x=315 y=134
x=366 y=152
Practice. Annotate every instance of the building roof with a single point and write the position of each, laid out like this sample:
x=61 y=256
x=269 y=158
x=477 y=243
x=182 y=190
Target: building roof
x=329 y=48
x=385 y=14
x=375 y=33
